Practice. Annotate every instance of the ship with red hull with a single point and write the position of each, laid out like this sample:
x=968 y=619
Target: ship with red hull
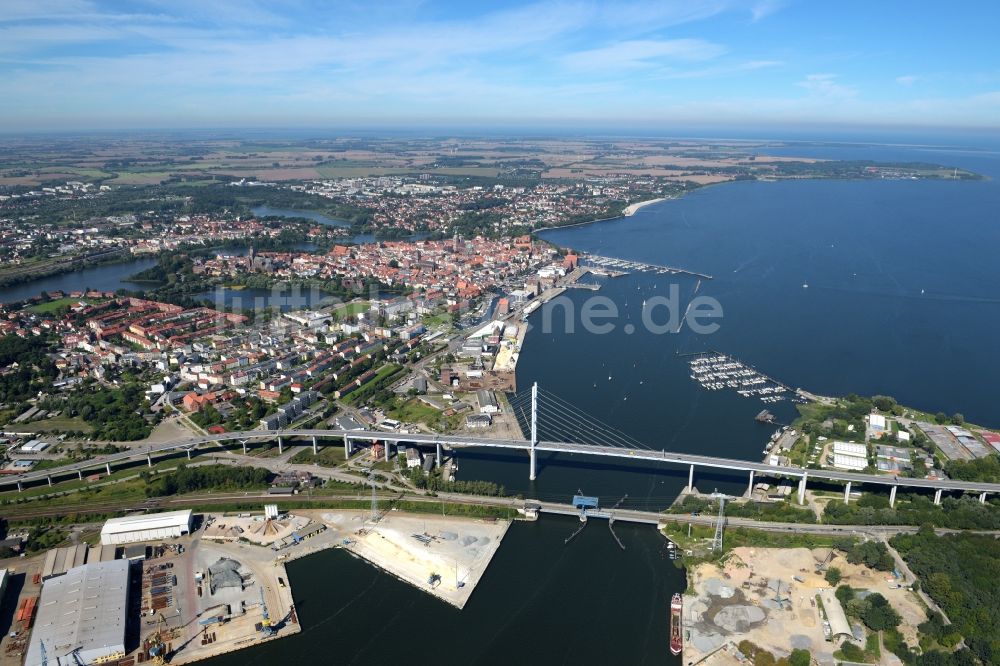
x=676 y=624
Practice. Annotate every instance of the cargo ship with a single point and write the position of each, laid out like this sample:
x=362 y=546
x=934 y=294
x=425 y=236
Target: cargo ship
x=676 y=624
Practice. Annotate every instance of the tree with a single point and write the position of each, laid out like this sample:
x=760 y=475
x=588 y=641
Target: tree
x=879 y=615
x=957 y=418
x=832 y=576
x=800 y=658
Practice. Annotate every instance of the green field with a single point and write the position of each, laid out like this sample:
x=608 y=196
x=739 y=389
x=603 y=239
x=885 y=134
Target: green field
x=57 y=424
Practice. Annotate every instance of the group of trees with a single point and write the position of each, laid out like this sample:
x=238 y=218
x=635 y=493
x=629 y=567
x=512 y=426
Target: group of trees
x=784 y=512
x=913 y=509
x=872 y=554
x=961 y=572
x=758 y=656
x=986 y=470
x=434 y=483
x=210 y=477
x=115 y=414
x=34 y=369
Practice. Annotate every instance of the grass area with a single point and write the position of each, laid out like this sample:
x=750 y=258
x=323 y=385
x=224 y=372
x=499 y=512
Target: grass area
x=699 y=543
x=437 y=320
x=353 y=308
x=50 y=307
x=328 y=456
x=413 y=411
x=57 y=424
x=74 y=484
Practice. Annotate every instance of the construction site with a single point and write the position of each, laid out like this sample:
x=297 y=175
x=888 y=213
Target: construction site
x=443 y=556
x=779 y=600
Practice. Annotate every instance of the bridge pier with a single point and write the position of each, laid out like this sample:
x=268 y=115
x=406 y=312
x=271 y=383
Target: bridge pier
x=19 y=487
x=982 y=498
x=750 y=485
x=315 y=450
x=49 y=478
x=347 y=447
x=531 y=459
x=937 y=497
x=149 y=460
x=691 y=479
x=244 y=443
x=847 y=493
x=281 y=446
x=892 y=497
x=79 y=474
x=107 y=466
x=385 y=450
x=438 y=453
x=802 y=488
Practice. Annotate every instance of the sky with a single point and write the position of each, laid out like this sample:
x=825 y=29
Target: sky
x=88 y=64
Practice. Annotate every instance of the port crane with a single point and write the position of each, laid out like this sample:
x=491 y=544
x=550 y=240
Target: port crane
x=266 y=628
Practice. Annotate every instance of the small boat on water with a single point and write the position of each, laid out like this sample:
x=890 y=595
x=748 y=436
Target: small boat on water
x=676 y=624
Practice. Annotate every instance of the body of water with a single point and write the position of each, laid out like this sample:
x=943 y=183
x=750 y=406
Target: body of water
x=105 y=277
x=541 y=602
x=357 y=239
x=319 y=218
x=284 y=297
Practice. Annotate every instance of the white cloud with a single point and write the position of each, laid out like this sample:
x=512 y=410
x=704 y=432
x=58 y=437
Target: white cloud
x=825 y=85
x=643 y=53
x=907 y=80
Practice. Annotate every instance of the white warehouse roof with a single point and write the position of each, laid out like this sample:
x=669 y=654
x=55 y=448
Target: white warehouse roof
x=83 y=612
x=850 y=449
x=150 y=527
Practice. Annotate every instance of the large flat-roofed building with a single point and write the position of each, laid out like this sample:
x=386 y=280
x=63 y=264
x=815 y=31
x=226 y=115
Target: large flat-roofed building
x=150 y=527
x=82 y=616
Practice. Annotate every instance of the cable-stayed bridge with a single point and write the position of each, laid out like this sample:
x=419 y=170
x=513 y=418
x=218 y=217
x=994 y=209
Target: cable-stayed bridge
x=567 y=429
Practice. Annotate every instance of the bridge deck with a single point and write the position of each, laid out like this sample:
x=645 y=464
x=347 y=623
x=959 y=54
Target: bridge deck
x=664 y=457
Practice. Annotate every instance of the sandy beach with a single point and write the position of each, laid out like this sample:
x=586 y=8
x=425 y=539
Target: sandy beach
x=632 y=208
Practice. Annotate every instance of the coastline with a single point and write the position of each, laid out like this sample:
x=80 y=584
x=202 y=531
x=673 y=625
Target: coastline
x=632 y=209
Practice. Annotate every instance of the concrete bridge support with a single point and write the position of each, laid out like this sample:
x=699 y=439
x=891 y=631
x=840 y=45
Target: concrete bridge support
x=149 y=460
x=79 y=474
x=244 y=443
x=49 y=478
x=385 y=451
x=315 y=449
x=107 y=466
x=19 y=487
x=892 y=497
x=532 y=456
x=691 y=479
x=750 y=485
x=847 y=493
x=802 y=488
x=281 y=446
x=937 y=496
x=347 y=447
x=982 y=498
x=437 y=453
x=189 y=454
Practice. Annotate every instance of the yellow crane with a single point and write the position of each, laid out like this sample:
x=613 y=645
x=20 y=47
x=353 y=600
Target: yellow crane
x=158 y=646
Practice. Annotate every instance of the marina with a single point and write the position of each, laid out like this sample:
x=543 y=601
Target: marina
x=626 y=265
x=715 y=372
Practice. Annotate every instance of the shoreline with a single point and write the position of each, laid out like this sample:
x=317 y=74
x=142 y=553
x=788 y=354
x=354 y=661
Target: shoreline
x=634 y=208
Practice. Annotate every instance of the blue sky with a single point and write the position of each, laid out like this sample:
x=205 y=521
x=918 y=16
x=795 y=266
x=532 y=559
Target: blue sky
x=81 y=64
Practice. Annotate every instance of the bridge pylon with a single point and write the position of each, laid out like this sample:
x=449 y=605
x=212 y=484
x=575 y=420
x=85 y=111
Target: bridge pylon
x=534 y=430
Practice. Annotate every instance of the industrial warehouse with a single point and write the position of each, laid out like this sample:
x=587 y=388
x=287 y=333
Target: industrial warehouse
x=132 y=529
x=82 y=615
